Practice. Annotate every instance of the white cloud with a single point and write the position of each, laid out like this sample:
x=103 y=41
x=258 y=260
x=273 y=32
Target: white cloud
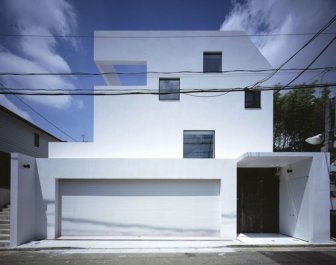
x=4 y=101
x=285 y=16
x=80 y=104
x=39 y=54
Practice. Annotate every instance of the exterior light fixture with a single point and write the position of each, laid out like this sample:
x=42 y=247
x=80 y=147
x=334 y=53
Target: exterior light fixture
x=315 y=140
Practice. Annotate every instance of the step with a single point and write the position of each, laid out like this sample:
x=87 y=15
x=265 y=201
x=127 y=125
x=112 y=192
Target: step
x=5 y=210
x=4 y=222
x=4 y=216
x=4 y=226
x=4 y=231
x=4 y=237
x=4 y=243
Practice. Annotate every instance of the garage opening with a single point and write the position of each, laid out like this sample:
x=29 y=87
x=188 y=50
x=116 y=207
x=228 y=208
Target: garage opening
x=138 y=208
x=258 y=200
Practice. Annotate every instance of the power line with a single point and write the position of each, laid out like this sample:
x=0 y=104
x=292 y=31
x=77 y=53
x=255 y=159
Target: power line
x=35 y=111
x=162 y=37
x=207 y=96
x=119 y=92
x=330 y=68
x=313 y=61
x=328 y=24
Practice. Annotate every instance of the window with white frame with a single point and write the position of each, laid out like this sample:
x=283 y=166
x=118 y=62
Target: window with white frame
x=198 y=144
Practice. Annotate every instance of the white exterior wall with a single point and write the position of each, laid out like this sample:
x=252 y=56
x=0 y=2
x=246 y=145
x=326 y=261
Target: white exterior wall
x=50 y=171
x=141 y=126
x=304 y=201
x=304 y=204
x=294 y=204
x=23 y=198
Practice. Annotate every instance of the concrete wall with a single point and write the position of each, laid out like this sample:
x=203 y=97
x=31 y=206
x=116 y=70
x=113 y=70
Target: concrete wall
x=18 y=136
x=23 y=199
x=51 y=170
x=294 y=199
x=304 y=199
x=140 y=126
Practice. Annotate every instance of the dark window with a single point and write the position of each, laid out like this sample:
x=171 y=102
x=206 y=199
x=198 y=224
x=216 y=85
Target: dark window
x=212 y=62
x=252 y=99
x=36 y=140
x=198 y=144
x=169 y=89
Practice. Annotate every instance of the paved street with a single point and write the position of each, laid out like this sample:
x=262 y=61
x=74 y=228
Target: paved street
x=230 y=256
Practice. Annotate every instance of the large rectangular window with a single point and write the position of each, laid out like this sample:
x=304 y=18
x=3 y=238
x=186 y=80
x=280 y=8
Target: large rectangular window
x=198 y=144
x=252 y=99
x=212 y=62
x=169 y=89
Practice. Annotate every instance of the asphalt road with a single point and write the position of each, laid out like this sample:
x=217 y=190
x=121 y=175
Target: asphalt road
x=232 y=256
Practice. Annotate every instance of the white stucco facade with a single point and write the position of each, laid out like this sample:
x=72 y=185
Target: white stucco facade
x=142 y=126
x=132 y=180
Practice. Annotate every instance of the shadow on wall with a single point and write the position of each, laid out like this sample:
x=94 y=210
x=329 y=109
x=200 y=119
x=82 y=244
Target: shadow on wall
x=40 y=210
x=294 y=203
x=121 y=229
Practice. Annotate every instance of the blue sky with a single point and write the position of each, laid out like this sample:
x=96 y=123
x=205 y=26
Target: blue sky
x=77 y=17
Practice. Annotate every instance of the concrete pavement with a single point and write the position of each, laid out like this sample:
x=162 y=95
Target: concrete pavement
x=167 y=246
x=232 y=256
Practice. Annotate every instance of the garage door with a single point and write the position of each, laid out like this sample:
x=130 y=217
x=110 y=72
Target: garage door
x=139 y=208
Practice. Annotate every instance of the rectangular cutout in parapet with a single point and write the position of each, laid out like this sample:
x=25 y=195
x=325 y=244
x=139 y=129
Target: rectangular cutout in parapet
x=132 y=75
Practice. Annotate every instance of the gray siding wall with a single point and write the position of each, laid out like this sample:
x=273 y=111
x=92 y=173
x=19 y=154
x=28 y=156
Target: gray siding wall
x=18 y=136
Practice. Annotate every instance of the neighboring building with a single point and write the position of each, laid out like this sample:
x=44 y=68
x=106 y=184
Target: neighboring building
x=19 y=135
x=174 y=165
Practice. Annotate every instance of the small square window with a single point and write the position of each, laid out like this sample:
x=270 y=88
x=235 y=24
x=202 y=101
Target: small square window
x=36 y=140
x=252 y=99
x=212 y=62
x=169 y=89
x=198 y=144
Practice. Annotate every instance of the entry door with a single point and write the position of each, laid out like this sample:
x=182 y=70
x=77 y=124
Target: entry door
x=258 y=200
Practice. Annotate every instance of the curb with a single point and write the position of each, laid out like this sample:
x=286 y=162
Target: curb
x=162 y=249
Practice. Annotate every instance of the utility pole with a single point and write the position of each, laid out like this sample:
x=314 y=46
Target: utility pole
x=329 y=134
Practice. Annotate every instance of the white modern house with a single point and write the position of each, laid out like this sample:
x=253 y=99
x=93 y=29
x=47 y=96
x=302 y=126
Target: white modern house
x=173 y=165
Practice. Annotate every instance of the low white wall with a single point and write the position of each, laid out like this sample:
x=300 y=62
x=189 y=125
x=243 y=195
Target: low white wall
x=50 y=170
x=304 y=199
x=4 y=197
x=23 y=189
x=294 y=199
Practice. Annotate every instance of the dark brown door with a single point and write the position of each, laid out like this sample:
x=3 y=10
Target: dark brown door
x=258 y=200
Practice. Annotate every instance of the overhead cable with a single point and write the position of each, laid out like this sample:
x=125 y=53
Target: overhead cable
x=312 y=62
x=34 y=110
x=330 y=68
x=328 y=24
x=160 y=37
x=119 y=92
